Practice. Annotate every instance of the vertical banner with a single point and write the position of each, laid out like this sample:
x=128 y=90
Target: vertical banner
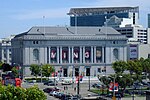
x=76 y=54
x=87 y=53
x=133 y=52
x=98 y=54
x=113 y=86
x=53 y=54
x=65 y=53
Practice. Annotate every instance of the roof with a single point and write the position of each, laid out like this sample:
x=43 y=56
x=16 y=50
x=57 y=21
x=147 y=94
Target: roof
x=104 y=10
x=70 y=33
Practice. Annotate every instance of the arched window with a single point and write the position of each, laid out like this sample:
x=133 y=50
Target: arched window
x=116 y=54
x=36 y=54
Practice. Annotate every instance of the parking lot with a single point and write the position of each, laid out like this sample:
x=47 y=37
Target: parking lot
x=66 y=89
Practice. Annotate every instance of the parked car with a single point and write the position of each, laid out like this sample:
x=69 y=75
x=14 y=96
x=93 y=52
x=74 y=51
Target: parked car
x=48 y=90
x=50 y=83
x=66 y=83
x=98 y=85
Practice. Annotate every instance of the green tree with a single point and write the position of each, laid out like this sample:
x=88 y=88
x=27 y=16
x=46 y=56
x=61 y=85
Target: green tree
x=1 y=63
x=106 y=81
x=146 y=66
x=18 y=93
x=124 y=80
x=47 y=70
x=119 y=66
x=15 y=71
x=35 y=69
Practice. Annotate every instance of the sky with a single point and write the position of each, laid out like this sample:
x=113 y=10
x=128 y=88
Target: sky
x=17 y=16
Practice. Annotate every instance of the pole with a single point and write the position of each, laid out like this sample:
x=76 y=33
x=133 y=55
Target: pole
x=89 y=81
x=114 y=98
x=41 y=72
x=54 y=79
x=78 y=85
x=75 y=23
x=72 y=78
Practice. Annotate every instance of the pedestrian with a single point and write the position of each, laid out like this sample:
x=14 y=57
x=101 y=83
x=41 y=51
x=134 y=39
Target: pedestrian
x=74 y=89
x=64 y=88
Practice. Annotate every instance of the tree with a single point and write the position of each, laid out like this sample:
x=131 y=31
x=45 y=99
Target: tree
x=15 y=72
x=18 y=93
x=105 y=80
x=119 y=66
x=1 y=63
x=124 y=81
x=146 y=66
x=35 y=69
x=47 y=70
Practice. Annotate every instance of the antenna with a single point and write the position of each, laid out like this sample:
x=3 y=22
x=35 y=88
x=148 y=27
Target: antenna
x=44 y=24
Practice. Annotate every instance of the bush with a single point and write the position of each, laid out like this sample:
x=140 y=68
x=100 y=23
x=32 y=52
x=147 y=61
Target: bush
x=17 y=93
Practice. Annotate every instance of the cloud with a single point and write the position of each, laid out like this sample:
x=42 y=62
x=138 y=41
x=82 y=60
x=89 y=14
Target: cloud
x=38 y=14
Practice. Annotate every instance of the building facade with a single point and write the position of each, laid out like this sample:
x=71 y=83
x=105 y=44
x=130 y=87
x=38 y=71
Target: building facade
x=137 y=32
x=148 y=20
x=87 y=50
x=98 y=16
x=6 y=49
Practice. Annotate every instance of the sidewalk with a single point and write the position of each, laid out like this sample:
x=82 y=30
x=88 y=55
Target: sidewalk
x=135 y=98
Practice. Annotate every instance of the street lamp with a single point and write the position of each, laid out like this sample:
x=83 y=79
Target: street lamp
x=41 y=72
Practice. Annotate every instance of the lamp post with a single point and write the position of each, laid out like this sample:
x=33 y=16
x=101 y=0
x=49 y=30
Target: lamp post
x=72 y=78
x=41 y=72
x=89 y=81
x=114 y=98
x=78 y=85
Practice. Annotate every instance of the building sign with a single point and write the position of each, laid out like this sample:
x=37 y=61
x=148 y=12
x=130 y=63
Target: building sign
x=53 y=53
x=133 y=52
x=76 y=53
x=87 y=53
x=64 y=53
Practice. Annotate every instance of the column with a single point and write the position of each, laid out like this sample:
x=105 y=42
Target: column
x=61 y=54
x=103 y=55
x=95 y=54
x=81 y=54
x=69 y=54
x=72 y=57
x=57 y=54
x=92 y=54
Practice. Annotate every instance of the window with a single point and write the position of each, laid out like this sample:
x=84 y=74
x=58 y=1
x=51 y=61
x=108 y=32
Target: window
x=36 y=54
x=115 y=53
x=99 y=70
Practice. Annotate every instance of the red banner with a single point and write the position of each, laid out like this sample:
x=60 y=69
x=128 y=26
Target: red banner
x=113 y=87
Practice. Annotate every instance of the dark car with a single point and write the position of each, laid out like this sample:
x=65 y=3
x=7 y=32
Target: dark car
x=48 y=90
x=97 y=85
x=50 y=83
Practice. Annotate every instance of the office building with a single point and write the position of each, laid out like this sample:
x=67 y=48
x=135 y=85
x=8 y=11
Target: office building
x=5 y=50
x=98 y=16
x=137 y=32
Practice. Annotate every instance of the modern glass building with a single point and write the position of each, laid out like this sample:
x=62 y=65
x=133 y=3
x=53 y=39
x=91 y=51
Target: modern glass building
x=148 y=20
x=98 y=16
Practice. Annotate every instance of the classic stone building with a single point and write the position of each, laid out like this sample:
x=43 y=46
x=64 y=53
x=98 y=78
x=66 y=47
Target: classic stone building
x=70 y=49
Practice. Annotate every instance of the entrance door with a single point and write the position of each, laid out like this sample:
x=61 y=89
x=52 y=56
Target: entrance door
x=76 y=71
x=65 y=72
x=87 y=71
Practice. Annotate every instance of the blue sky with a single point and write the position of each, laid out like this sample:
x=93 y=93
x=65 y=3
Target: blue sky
x=18 y=16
